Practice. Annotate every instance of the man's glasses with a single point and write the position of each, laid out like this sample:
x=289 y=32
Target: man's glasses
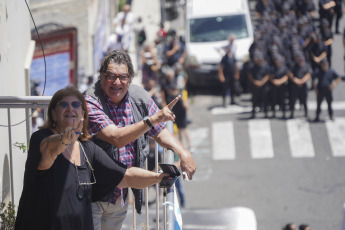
x=111 y=77
x=74 y=104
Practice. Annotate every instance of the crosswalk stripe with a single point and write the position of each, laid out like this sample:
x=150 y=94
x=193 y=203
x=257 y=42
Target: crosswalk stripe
x=260 y=138
x=300 y=140
x=236 y=109
x=223 y=140
x=336 y=136
x=261 y=143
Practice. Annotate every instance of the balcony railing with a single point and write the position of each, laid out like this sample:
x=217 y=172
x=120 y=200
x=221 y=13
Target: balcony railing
x=28 y=103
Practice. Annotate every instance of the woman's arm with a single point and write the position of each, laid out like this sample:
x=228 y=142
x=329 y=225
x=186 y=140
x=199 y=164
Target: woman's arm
x=140 y=178
x=55 y=144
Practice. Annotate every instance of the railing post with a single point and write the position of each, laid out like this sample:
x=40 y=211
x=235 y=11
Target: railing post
x=28 y=127
x=10 y=149
x=147 y=202
x=157 y=188
x=169 y=195
x=134 y=214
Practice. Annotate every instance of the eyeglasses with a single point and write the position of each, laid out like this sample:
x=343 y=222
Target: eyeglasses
x=111 y=77
x=92 y=171
x=74 y=104
x=82 y=185
x=93 y=178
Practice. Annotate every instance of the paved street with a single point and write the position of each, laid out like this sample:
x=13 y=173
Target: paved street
x=284 y=170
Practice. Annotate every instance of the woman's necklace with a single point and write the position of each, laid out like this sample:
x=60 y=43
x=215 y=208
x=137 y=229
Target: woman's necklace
x=69 y=153
x=57 y=130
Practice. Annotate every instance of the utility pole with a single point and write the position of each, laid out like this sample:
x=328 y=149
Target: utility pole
x=163 y=17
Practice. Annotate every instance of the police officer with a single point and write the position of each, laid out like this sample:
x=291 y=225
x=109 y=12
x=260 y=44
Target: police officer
x=228 y=74
x=258 y=76
x=299 y=76
x=327 y=79
x=279 y=79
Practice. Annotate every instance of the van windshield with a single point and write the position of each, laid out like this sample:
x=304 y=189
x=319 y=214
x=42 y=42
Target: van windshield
x=218 y=28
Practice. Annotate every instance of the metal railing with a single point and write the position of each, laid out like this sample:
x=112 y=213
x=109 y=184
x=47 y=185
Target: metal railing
x=33 y=102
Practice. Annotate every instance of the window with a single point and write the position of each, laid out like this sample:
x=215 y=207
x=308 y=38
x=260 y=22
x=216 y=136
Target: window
x=218 y=28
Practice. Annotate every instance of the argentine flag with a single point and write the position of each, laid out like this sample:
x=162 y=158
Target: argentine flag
x=177 y=212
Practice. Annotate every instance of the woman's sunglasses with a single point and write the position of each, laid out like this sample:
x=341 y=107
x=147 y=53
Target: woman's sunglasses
x=74 y=104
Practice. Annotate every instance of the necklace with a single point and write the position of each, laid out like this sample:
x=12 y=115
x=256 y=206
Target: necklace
x=57 y=129
x=69 y=153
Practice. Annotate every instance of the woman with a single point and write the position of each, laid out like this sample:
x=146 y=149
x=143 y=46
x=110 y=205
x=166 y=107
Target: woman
x=60 y=169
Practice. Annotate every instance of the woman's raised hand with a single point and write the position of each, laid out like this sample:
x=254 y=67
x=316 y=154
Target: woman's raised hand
x=71 y=134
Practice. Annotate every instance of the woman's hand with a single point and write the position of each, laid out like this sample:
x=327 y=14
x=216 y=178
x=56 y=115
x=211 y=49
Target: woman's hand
x=71 y=134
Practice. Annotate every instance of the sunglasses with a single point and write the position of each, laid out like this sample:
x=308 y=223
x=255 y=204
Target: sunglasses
x=111 y=77
x=74 y=104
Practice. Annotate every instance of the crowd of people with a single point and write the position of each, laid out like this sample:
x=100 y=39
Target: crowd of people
x=290 y=54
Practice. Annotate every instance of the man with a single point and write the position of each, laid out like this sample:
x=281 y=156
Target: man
x=123 y=26
x=122 y=115
x=258 y=77
x=338 y=11
x=299 y=76
x=279 y=80
x=327 y=80
x=174 y=51
x=228 y=74
x=326 y=10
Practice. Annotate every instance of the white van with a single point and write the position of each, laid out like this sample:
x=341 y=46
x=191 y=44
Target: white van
x=208 y=26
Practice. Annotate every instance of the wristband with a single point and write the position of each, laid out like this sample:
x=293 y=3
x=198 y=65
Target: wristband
x=62 y=140
x=147 y=121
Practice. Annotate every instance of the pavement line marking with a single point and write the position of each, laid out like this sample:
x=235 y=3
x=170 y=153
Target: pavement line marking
x=236 y=109
x=260 y=135
x=336 y=105
x=301 y=144
x=223 y=141
x=208 y=227
x=336 y=136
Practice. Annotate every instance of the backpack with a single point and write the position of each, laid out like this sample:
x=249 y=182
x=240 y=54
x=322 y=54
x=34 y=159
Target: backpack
x=141 y=36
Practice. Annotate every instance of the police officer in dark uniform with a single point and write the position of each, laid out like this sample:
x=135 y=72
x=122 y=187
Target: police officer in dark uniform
x=338 y=11
x=279 y=79
x=326 y=10
x=327 y=38
x=299 y=77
x=228 y=74
x=317 y=53
x=327 y=79
x=258 y=76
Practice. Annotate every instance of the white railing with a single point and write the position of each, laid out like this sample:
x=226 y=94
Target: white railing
x=33 y=102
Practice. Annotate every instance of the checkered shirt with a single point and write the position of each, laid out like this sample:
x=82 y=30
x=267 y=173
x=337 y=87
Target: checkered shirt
x=121 y=116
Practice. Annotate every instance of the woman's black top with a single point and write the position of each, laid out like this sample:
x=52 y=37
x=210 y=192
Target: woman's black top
x=54 y=198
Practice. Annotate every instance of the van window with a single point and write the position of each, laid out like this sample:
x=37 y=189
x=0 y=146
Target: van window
x=218 y=28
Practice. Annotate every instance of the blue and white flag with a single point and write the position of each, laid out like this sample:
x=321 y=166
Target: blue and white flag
x=177 y=213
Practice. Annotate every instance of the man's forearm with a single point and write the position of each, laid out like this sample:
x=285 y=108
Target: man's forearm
x=120 y=137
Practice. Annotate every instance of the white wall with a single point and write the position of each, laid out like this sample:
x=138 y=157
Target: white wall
x=16 y=50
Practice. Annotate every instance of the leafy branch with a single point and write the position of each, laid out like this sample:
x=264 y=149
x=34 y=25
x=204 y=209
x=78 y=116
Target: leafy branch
x=21 y=146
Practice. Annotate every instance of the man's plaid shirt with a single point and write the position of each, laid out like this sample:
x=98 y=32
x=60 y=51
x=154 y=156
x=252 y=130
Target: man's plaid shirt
x=121 y=116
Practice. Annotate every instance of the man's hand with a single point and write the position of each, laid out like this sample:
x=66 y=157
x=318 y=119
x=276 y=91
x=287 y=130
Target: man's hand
x=166 y=113
x=188 y=165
